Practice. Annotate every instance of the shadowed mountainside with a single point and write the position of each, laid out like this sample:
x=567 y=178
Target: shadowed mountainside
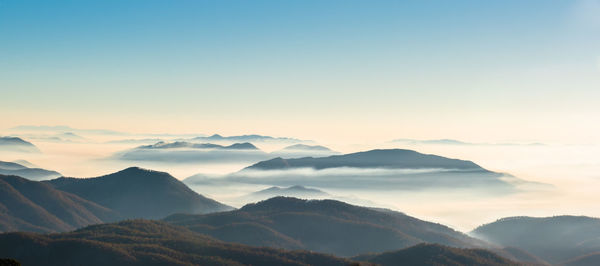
x=27 y=205
x=139 y=193
x=321 y=225
x=554 y=239
x=434 y=254
x=142 y=242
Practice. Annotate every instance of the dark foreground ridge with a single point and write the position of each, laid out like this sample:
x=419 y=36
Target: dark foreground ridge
x=326 y=226
x=555 y=239
x=142 y=242
x=433 y=254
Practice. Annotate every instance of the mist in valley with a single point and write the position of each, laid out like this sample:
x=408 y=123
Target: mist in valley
x=532 y=180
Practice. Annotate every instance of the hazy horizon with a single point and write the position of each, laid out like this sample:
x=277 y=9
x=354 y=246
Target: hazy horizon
x=330 y=71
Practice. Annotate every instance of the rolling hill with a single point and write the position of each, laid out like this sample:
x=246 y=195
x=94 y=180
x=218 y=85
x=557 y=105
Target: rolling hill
x=326 y=226
x=139 y=193
x=141 y=242
x=434 y=254
x=27 y=205
x=554 y=239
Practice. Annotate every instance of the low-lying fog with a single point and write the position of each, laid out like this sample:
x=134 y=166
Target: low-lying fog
x=572 y=170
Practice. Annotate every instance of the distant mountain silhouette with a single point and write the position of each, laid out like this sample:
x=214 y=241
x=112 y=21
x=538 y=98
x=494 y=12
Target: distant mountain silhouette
x=55 y=129
x=296 y=191
x=25 y=163
x=10 y=168
x=293 y=191
x=303 y=150
x=554 y=239
x=320 y=225
x=434 y=254
x=183 y=144
x=182 y=152
x=247 y=138
x=393 y=169
x=142 y=242
x=34 y=206
x=307 y=147
x=139 y=193
x=392 y=158
x=16 y=144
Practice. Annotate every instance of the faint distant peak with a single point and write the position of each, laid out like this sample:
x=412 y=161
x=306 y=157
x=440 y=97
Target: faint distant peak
x=293 y=190
x=459 y=142
x=17 y=144
x=307 y=147
x=185 y=144
x=249 y=138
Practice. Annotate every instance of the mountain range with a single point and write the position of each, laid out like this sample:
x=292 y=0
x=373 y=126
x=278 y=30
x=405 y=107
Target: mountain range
x=64 y=204
x=27 y=205
x=191 y=152
x=183 y=144
x=326 y=226
x=392 y=169
x=142 y=242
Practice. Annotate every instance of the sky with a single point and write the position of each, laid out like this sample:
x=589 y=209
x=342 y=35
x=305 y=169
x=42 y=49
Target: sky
x=347 y=71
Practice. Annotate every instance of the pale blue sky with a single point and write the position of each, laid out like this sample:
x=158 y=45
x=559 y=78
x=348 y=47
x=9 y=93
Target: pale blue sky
x=472 y=70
